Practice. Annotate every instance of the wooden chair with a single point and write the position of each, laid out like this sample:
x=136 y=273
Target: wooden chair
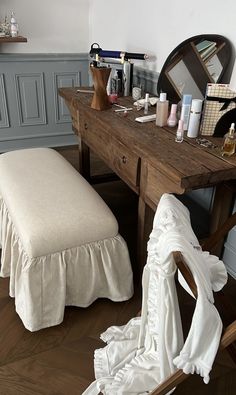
x=229 y=332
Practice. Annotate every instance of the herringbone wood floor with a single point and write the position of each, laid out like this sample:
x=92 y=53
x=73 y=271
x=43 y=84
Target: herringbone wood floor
x=59 y=360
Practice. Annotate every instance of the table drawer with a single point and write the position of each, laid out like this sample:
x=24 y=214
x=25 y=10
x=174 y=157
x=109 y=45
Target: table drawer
x=116 y=155
x=156 y=183
x=74 y=117
x=124 y=162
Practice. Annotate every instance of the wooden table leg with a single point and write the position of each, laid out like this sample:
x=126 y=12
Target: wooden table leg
x=84 y=160
x=221 y=210
x=145 y=222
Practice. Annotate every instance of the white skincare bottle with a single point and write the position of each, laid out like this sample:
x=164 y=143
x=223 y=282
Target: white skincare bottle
x=146 y=104
x=162 y=110
x=185 y=110
x=194 y=119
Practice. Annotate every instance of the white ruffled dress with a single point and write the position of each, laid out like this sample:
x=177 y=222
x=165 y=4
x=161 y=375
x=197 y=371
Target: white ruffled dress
x=141 y=354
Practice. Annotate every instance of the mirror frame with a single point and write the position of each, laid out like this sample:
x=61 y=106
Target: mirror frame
x=187 y=52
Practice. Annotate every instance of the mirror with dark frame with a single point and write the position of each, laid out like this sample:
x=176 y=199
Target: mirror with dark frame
x=194 y=63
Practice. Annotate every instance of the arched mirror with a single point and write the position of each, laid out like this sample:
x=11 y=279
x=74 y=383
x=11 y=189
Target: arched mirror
x=195 y=62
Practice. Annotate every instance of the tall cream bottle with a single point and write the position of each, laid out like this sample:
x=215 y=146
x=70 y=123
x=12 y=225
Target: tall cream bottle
x=162 y=110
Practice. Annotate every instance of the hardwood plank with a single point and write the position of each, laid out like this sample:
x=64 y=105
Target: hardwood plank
x=31 y=376
x=16 y=342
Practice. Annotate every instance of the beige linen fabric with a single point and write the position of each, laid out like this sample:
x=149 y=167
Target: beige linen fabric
x=60 y=241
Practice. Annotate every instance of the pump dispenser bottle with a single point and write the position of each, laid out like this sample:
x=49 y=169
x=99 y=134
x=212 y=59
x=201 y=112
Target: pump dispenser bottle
x=162 y=110
x=229 y=142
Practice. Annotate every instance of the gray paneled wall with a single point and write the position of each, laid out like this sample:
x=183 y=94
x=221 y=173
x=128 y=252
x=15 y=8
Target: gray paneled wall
x=31 y=112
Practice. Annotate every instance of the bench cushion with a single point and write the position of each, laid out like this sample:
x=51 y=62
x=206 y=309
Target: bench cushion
x=60 y=241
x=52 y=205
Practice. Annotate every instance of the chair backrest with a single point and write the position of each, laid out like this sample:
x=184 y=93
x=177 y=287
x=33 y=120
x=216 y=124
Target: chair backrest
x=229 y=332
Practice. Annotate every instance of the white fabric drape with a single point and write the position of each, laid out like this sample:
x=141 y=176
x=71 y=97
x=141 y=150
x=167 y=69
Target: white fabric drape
x=141 y=354
x=44 y=285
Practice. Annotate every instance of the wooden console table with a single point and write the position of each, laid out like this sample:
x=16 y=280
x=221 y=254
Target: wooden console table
x=148 y=159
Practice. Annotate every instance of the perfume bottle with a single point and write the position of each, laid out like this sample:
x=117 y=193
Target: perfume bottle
x=13 y=26
x=180 y=132
x=162 y=110
x=172 y=120
x=228 y=147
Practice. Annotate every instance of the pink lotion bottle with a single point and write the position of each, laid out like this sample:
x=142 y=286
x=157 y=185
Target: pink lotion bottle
x=162 y=110
x=172 y=120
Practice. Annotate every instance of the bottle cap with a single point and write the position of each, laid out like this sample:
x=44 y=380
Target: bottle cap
x=232 y=129
x=187 y=99
x=173 y=108
x=196 y=105
x=162 y=96
x=13 y=19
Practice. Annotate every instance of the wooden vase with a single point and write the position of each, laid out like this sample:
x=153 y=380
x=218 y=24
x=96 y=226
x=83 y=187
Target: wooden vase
x=100 y=78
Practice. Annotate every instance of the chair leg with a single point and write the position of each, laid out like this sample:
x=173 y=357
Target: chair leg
x=232 y=352
x=228 y=339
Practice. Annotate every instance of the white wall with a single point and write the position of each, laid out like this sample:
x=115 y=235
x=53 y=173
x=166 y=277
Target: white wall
x=157 y=27
x=150 y=26
x=51 y=26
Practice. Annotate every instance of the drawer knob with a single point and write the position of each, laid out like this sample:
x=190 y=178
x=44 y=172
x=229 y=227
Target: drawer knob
x=85 y=126
x=124 y=159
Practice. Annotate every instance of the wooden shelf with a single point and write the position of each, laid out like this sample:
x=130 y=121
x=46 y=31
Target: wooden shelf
x=18 y=39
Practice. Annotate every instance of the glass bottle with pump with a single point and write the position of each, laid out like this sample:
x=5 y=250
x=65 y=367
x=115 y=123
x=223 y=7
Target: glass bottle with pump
x=162 y=110
x=228 y=147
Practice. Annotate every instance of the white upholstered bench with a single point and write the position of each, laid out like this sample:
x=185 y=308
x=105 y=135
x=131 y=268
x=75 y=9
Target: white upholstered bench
x=60 y=241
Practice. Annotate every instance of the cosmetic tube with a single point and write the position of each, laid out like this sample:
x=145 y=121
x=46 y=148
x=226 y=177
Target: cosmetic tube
x=194 y=119
x=126 y=78
x=146 y=103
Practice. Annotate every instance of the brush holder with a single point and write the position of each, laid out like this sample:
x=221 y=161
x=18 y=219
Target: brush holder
x=100 y=76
